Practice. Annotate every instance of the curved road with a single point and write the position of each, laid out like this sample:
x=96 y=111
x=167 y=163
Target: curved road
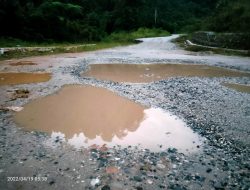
x=219 y=114
x=163 y=50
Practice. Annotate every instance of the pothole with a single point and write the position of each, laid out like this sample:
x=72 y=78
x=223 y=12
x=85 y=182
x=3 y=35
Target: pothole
x=153 y=72
x=23 y=78
x=85 y=115
x=238 y=87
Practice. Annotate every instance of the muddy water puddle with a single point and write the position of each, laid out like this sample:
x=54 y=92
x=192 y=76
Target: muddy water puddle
x=153 y=72
x=85 y=115
x=21 y=63
x=238 y=87
x=23 y=78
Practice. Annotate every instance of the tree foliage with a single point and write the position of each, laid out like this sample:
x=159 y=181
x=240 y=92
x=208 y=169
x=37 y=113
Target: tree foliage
x=89 y=20
x=230 y=16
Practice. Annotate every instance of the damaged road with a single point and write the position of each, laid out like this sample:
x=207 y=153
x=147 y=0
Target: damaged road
x=219 y=114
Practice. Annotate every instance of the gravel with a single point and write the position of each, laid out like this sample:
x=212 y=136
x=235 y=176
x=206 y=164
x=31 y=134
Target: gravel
x=217 y=113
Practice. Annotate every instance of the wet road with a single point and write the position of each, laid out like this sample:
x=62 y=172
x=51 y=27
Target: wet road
x=163 y=50
x=151 y=50
x=219 y=114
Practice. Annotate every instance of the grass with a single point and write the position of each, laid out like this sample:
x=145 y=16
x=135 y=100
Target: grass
x=140 y=33
x=50 y=49
x=113 y=40
x=223 y=51
x=14 y=42
x=181 y=40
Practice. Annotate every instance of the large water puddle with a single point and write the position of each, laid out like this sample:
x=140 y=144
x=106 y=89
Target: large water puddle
x=85 y=115
x=23 y=78
x=238 y=87
x=153 y=72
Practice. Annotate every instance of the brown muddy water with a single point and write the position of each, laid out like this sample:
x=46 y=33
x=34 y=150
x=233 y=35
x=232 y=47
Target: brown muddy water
x=140 y=73
x=20 y=63
x=83 y=116
x=238 y=87
x=23 y=78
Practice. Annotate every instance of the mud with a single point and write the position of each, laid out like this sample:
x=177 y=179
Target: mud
x=217 y=113
x=23 y=78
x=21 y=63
x=238 y=87
x=85 y=115
x=153 y=72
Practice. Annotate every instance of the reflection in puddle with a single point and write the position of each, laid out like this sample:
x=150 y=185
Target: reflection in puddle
x=84 y=115
x=23 y=78
x=158 y=131
x=238 y=87
x=153 y=72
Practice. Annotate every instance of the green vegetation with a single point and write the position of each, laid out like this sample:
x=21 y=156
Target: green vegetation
x=115 y=39
x=222 y=40
x=59 y=48
x=230 y=16
x=182 y=42
x=107 y=23
x=217 y=51
x=37 y=49
x=94 y=20
x=140 y=33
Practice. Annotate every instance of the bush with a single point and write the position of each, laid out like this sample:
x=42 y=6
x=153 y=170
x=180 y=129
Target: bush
x=140 y=33
x=222 y=40
x=146 y=32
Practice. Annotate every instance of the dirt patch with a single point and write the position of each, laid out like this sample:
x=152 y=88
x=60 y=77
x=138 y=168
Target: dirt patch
x=20 y=93
x=112 y=170
x=85 y=115
x=154 y=72
x=238 y=87
x=23 y=78
x=20 y=63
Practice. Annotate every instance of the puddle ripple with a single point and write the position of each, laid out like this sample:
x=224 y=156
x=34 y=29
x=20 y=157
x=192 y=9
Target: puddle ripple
x=153 y=72
x=84 y=115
